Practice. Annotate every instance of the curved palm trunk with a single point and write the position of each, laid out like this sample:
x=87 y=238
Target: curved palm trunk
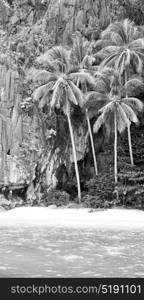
x=130 y=146
x=129 y=131
x=75 y=158
x=115 y=149
x=92 y=144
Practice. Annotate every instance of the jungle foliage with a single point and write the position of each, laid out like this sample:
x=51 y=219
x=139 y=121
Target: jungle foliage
x=71 y=91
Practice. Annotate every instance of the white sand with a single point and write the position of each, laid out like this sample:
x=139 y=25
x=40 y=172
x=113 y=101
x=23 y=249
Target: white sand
x=43 y=216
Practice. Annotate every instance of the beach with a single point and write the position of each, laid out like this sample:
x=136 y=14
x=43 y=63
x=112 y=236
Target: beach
x=116 y=218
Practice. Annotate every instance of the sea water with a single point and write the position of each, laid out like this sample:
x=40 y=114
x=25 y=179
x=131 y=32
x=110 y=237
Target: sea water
x=70 y=252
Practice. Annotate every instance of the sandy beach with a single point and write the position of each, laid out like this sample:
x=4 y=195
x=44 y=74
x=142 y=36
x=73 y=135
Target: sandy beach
x=116 y=218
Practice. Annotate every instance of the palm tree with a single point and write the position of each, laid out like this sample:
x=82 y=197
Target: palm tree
x=93 y=101
x=118 y=113
x=82 y=58
x=107 y=79
x=84 y=82
x=65 y=93
x=134 y=103
x=122 y=46
x=130 y=88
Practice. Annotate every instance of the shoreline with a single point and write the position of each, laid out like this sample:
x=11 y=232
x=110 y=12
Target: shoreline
x=114 y=218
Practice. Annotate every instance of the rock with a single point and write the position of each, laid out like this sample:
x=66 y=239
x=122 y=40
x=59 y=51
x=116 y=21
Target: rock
x=1 y=208
x=4 y=201
x=52 y=206
x=75 y=205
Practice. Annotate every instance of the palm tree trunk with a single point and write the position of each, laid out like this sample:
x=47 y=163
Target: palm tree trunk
x=125 y=80
x=92 y=144
x=75 y=158
x=115 y=149
x=130 y=146
x=129 y=132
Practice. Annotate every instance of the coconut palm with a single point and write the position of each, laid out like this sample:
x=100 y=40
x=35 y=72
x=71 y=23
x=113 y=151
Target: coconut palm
x=107 y=79
x=93 y=101
x=82 y=58
x=135 y=104
x=122 y=46
x=65 y=93
x=130 y=86
x=118 y=113
x=84 y=82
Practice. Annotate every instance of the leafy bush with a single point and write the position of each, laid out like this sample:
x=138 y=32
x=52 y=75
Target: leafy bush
x=55 y=197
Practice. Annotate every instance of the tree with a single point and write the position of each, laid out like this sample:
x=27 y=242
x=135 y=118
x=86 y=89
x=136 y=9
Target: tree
x=118 y=113
x=93 y=101
x=135 y=104
x=81 y=56
x=65 y=93
x=122 y=46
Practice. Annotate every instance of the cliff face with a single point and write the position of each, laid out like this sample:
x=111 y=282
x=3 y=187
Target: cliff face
x=27 y=29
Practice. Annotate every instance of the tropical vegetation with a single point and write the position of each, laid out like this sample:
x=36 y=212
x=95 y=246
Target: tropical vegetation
x=72 y=86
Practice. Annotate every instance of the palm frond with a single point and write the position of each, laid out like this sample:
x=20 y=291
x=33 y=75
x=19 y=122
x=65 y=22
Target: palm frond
x=132 y=86
x=71 y=96
x=83 y=77
x=45 y=60
x=134 y=103
x=58 y=57
x=93 y=98
x=125 y=31
x=93 y=102
x=99 y=122
x=110 y=60
x=103 y=71
x=129 y=113
x=42 y=76
x=106 y=111
x=77 y=93
x=102 y=86
x=103 y=77
x=137 y=62
x=40 y=92
x=108 y=108
x=107 y=51
x=87 y=61
x=122 y=119
x=137 y=44
x=56 y=96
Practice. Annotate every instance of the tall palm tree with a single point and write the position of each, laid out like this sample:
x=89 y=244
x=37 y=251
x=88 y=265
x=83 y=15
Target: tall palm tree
x=82 y=58
x=128 y=98
x=93 y=101
x=108 y=79
x=84 y=82
x=119 y=114
x=65 y=93
x=122 y=46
